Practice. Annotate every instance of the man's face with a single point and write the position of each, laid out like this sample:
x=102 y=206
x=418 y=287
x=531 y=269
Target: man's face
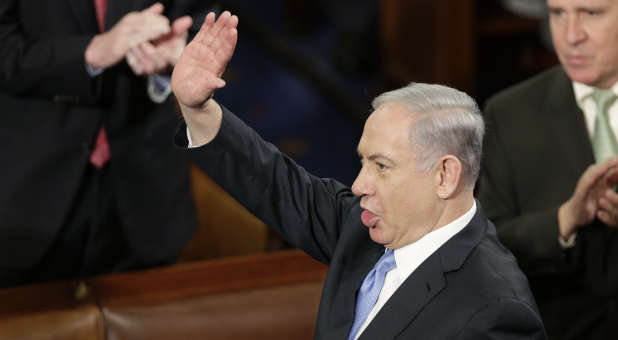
x=585 y=34
x=397 y=200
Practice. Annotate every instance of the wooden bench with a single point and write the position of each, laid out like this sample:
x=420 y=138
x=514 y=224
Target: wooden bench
x=264 y=296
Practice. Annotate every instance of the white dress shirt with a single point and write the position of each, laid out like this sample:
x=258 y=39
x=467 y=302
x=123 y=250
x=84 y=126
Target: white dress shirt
x=587 y=105
x=408 y=258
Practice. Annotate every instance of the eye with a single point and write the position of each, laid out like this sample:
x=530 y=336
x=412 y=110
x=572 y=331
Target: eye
x=381 y=167
x=555 y=11
x=592 y=12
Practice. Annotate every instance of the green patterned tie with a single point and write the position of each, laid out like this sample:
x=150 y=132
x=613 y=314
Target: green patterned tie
x=603 y=140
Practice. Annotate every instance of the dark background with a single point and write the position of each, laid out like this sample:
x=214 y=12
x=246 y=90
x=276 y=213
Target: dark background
x=304 y=72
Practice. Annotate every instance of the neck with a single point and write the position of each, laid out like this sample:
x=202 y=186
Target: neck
x=453 y=208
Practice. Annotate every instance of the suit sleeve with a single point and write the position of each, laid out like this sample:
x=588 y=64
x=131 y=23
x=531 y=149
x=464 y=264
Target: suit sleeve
x=531 y=236
x=306 y=210
x=504 y=319
x=39 y=67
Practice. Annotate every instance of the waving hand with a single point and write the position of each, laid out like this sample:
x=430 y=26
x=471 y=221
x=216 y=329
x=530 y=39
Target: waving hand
x=198 y=71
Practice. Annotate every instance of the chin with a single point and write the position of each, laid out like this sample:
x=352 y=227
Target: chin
x=583 y=76
x=378 y=237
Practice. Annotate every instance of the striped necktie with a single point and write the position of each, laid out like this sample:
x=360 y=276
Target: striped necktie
x=603 y=140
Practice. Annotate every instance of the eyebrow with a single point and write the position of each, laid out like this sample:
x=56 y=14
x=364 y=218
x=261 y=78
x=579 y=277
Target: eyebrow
x=377 y=156
x=579 y=8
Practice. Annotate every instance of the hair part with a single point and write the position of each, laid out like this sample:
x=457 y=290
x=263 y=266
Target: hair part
x=448 y=122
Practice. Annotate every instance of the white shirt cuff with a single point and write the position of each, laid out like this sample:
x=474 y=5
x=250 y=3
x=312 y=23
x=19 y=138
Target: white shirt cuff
x=159 y=88
x=569 y=243
x=92 y=71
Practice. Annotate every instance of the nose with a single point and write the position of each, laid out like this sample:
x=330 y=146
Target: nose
x=362 y=184
x=575 y=34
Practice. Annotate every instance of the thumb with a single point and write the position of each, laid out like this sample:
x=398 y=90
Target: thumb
x=156 y=8
x=612 y=177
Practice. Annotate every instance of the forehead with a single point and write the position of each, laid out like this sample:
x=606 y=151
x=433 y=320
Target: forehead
x=388 y=125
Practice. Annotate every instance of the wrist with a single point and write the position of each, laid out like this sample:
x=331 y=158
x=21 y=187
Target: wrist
x=92 y=55
x=566 y=224
x=102 y=52
x=203 y=122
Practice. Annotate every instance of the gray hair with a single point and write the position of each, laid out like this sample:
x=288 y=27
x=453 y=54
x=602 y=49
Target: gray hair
x=449 y=122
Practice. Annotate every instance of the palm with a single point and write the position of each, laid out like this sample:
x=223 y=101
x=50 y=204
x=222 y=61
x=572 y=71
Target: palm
x=198 y=71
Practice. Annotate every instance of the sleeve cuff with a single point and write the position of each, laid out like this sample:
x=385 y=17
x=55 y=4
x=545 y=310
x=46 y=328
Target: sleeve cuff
x=159 y=88
x=93 y=71
x=569 y=243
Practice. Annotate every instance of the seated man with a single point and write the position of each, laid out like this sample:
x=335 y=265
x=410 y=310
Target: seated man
x=410 y=251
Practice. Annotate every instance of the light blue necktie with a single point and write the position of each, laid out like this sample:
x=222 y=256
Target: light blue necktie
x=370 y=290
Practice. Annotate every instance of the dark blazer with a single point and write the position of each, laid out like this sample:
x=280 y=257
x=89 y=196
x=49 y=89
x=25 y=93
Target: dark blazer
x=51 y=112
x=470 y=288
x=537 y=147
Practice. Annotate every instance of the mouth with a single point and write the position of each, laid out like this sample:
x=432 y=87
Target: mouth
x=577 y=59
x=369 y=219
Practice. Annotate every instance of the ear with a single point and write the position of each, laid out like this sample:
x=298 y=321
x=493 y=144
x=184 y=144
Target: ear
x=448 y=172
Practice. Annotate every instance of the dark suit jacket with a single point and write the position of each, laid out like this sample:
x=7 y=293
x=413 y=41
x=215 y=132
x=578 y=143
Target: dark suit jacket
x=470 y=288
x=537 y=147
x=51 y=112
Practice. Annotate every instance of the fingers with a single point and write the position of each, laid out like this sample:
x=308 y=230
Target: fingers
x=593 y=175
x=229 y=44
x=201 y=64
x=208 y=22
x=157 y=62
x=220 y=23
x=156 y=8
x=610 y=219
x=145 y=60
x=608 y=207
x=212 y=28
x=182 y=25
x=133 y=63
x=612 y=177
x=152 y=26
x=137 y=27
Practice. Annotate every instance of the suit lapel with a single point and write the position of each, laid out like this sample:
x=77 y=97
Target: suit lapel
x=426 y=282
x=84 y=12
x=361 y=262
x=405 y=304
x=570 y=132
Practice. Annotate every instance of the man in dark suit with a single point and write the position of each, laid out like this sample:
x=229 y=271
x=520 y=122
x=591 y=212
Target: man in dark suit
x=89 y=181
x=439 y=271
x=549 y=170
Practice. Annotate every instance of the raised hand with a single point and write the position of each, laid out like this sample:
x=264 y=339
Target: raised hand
x=198 y=71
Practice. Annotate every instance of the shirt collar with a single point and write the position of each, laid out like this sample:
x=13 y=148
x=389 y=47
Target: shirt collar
x=583 y=91
x=409 y=257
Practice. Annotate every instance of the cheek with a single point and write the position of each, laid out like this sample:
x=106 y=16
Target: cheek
x=556 y=37
x=610 y=56
x=402 y=202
